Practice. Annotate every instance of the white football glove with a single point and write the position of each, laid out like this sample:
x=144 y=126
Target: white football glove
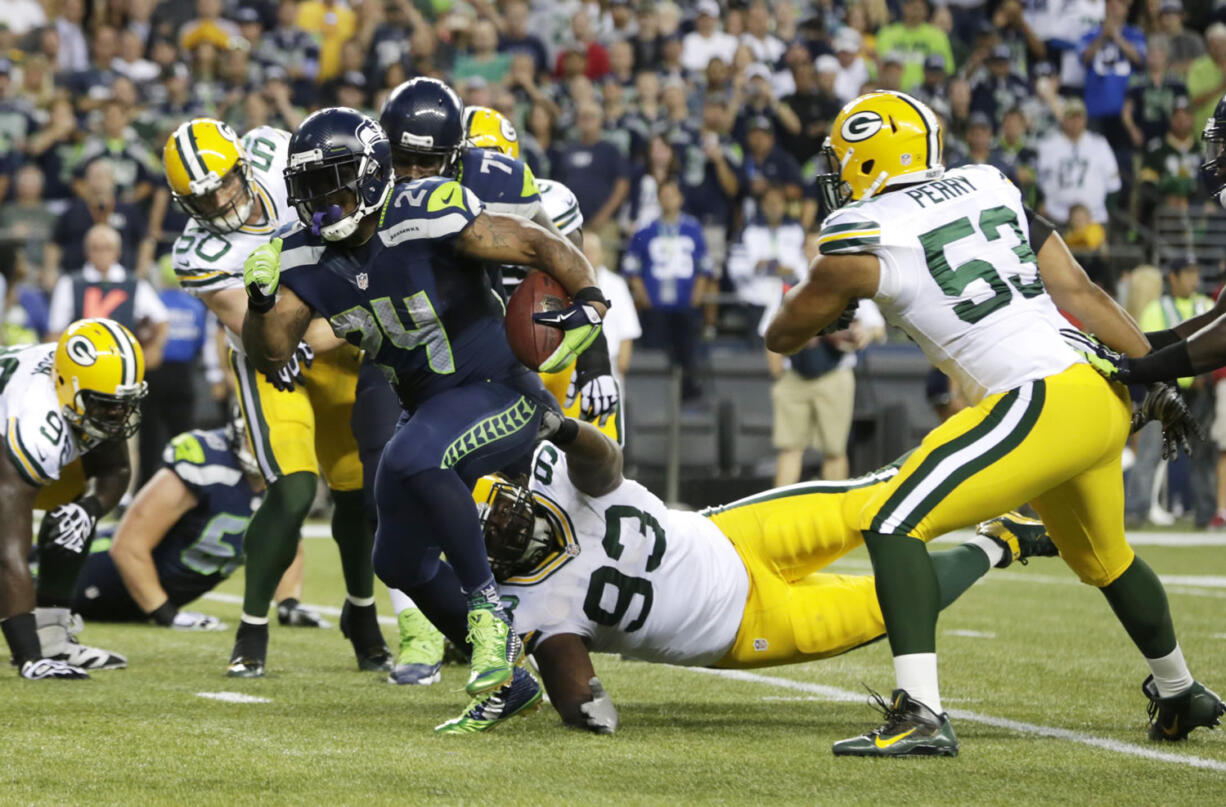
x=70 y=526
x=292 y=372
x=600 y=715
x=598 y=397
x=194 y=620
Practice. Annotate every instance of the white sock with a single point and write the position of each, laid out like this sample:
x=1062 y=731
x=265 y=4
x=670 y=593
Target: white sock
x=401 y=602
x=994 y=551
x=255 y=620
x=361 y=602
x=1170 y=673
x=917 y=674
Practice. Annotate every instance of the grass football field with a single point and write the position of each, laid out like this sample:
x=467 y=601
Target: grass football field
x=1043 y=685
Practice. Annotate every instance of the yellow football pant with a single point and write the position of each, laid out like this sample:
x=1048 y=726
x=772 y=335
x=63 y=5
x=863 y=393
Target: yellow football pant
x=784 y=537
x=1055 y=443
x=558 y=385
x=307 y=429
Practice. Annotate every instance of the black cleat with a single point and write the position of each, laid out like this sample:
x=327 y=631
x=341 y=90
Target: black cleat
x=360 y=625
x=1019 y=536
x=293 y=614
x=250 y=651
x=1172 y=719
x=911 y=729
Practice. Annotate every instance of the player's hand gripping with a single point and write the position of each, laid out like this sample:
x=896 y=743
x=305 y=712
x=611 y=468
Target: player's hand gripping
x=581 y=324
x=292 y=372
x=593 y=385
x=262 y=275
x=1164 y=404
x=1110 y=365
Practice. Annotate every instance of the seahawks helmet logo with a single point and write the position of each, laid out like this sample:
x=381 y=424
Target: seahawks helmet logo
x=861 y=126
x=81 y=351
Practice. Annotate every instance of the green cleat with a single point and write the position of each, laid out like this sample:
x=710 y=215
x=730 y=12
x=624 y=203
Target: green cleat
x=520 y=697
x=1172 y=719
x=420 y=659
x=911 y=729
x=1021 y=538
x=496 y=650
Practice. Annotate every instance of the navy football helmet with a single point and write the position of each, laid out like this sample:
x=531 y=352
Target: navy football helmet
x=424 y=120
x=339 y=171
x=1214 y=166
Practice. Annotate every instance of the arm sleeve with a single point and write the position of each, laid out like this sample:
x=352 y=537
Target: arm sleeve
x=1161 y=339
x=1040 y=227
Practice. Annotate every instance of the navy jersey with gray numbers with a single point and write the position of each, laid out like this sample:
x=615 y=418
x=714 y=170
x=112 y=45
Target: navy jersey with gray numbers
x=208 y=539
x=427 y=316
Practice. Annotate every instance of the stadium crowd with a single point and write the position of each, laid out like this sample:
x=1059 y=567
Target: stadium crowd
x=687 y=130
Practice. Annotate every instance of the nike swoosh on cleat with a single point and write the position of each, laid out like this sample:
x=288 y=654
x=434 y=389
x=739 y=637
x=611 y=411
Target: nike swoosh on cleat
x=1174 y=729
x=887 y=743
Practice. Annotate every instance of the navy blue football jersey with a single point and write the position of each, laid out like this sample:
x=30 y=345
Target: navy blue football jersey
x=208 y=539
x=426 y=315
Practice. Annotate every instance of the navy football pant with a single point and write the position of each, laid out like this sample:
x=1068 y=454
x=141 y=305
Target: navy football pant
x=101 y=595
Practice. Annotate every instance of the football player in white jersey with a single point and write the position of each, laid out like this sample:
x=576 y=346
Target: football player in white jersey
x=298 y=421
x=956 y=260
x=597 y=563
x=79 y=398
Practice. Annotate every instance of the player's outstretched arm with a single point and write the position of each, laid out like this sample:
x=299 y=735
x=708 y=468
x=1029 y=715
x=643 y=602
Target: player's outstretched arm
x=515 y=240
x=574 y=690
x=1073 y=291
x=16 y=530
x=832 y=283
x=156 y=508
x=108 y=470
x=593 y=461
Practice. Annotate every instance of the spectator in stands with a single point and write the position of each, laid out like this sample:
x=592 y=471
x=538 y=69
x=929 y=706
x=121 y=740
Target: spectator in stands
x=583 y=41
x=104 y=288
x=668 y=270
x=1170 y=170
x=72 y=51
x=662 y=163
x=890 y=73
x=25 y=218
x=1185 y=46
x=773 y=254
x=1207 y=75
x=814 y=107
x=1015 y=149
x=1182 y=301
x=1110 y=54
x=131 y=62
x=916 y=39
x=853 y=70
x=334 y=23
x=1000 y=89
x=620 y=329
x=764 y=47
x=55 y=149
x=516 y=38
x=707 y=41
x=482 y=57
x=934 y=89
x=766 y=164
x=1015 y=32
x=1077 y=166
x=979 y=148
x=760 y=102
x=92 y=85
x=208 y=26
x=296 y=51
x=97 y=204
x=129 y=159
x=595 y=170
x=1084 y=234
x=710 y=194
x=1152 y=97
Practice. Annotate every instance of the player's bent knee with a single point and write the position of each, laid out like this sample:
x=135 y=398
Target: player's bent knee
x=398 y=567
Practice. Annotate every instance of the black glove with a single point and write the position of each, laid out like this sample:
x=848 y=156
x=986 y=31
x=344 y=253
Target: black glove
x=69 y=527
x=291 y=372
x=1164 y=404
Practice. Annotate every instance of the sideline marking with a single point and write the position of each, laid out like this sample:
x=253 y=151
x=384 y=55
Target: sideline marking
x=233 y=697
x=971 y=634
x=835 y=694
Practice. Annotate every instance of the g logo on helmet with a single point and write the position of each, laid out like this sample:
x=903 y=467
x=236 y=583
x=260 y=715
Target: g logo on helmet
x=861 y=126
x=508 y=131
x=81 y=351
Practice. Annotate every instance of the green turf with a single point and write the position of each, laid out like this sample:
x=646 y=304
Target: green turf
x=334 y=736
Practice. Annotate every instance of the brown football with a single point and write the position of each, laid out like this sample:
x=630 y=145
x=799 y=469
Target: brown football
x=530 y=342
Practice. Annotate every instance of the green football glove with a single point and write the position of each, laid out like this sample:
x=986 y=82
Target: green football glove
x=262 y=275
x=581 y=323
x=1109 y=364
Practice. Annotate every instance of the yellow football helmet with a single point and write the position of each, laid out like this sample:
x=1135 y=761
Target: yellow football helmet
x=879 y=140
x=489 y=129
x=100 y=378
x=209 y=175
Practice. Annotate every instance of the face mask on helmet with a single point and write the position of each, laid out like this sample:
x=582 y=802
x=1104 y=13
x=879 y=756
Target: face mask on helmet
x=333 y=196
x=106 y=417
x=413 y=162
x=833 y=191
x=516 y=539
x=221 y=206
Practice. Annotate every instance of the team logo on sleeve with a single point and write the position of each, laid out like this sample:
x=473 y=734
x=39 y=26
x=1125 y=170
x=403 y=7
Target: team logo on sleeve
x=82 y=351
x=861 y=126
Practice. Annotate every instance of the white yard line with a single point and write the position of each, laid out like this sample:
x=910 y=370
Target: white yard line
x=233 y=697
x=835 y=694
x=326 y=610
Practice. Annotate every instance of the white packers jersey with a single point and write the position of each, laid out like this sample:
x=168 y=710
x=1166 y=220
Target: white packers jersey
x=207 y=262
x=39 y=443
x=959 y=276
x=637 y=578
x=560 y=205
x=1081 y=172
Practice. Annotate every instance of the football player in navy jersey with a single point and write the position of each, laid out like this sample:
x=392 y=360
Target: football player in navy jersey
x=398 y=271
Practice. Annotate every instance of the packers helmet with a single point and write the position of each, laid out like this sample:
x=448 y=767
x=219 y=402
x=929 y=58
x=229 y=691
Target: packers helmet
x=489 y=129
x=518 y=539
x=100 y=378
x=880 y=140
x=209 y=175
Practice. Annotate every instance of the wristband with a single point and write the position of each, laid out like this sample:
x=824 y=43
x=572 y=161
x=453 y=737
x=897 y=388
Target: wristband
x=164 y=614
x=91 y=505
x=1167 y=364
x=1161 y=339
x=590 y=294
x=566 y=433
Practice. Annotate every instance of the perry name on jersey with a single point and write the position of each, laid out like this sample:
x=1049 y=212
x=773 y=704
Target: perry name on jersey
x=636 y=578
x=39 y=443
x=204 y=261
x=208 y=539
x=958 y=274
x=427 y=316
